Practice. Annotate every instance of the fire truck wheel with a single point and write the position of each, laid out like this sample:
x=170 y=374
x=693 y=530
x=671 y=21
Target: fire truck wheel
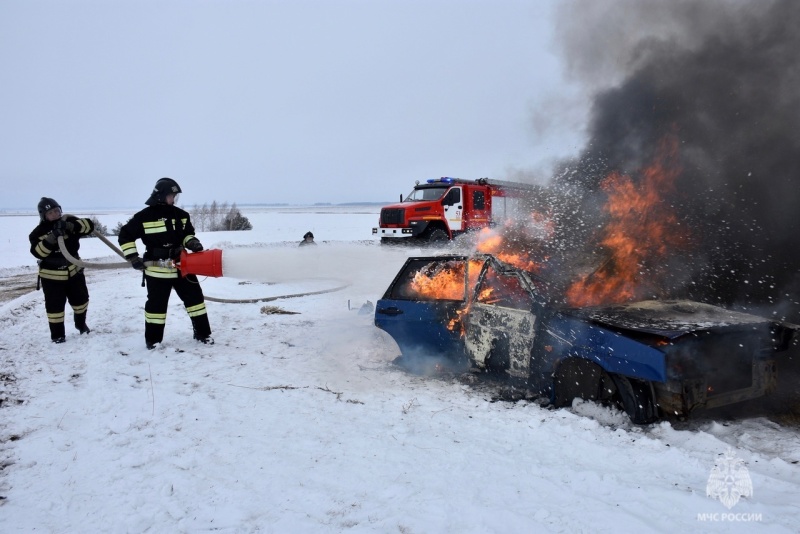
x=437 y=235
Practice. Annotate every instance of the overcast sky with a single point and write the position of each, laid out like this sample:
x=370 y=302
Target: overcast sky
x=272 y=101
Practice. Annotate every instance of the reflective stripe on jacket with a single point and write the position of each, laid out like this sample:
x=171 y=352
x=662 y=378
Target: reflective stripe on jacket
x=161 y=228
x=52 y=263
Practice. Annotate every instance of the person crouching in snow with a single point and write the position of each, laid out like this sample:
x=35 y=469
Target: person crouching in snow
x=165 y=230
x=61 y=280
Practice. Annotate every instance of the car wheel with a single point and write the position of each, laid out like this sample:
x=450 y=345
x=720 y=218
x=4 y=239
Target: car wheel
x=637 y=399
x=577 y=378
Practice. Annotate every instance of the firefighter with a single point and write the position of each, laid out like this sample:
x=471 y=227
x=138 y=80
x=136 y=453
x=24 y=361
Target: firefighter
x=165 y=230
x=61 y=281
x=308 y=239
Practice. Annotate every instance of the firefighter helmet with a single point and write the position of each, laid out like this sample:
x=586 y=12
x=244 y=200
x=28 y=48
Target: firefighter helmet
x=163 y=187
x=45 y=205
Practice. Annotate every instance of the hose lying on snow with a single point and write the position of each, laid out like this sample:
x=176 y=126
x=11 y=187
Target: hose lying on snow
x=83 y=264
x=268 y=299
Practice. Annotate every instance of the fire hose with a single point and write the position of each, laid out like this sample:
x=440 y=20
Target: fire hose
x=82 y=264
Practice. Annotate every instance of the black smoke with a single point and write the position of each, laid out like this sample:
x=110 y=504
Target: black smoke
x=723 y=79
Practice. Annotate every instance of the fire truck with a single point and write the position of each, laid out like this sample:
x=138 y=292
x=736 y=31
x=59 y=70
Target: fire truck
x=443 y=208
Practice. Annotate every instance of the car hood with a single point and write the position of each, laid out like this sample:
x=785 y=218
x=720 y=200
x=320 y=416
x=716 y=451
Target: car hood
x=668 y=318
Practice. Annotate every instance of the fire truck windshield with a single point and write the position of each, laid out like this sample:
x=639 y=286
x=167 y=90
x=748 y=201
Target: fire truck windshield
x=426 y=193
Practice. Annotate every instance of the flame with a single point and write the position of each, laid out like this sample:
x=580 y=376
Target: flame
x=446 y=283
x=641 y=230
x=505 y=244
x=499 y=244
x=485 y=293
x=456 y=323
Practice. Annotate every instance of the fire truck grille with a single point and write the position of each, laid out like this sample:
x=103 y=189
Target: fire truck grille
x=392 y=216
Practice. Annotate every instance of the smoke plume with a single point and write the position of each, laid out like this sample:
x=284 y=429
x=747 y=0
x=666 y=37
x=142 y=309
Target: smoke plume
x=720 y=78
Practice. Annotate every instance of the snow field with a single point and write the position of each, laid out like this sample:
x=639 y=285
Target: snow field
x=301 y=423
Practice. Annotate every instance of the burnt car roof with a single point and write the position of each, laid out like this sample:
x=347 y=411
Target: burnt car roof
x=668 y=318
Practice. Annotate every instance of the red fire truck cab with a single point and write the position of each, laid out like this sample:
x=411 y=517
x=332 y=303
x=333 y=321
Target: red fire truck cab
x=443 y=208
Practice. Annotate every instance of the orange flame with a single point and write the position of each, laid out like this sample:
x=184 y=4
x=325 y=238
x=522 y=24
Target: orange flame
x=446 y=284
x=641 y=230
x=502 y=246
x=456 y=323
x=449 y=284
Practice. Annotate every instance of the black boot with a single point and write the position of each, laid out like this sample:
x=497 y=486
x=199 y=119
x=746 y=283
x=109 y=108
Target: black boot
x=80 y=323
x=57 y=334
x=202 y=330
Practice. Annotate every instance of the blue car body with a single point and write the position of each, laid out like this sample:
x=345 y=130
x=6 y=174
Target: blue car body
x=653 y=358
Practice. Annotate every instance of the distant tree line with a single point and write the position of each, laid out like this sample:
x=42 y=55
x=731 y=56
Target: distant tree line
x=206 y=218
x=218 y=218
x=117 y=228
x=99 y=227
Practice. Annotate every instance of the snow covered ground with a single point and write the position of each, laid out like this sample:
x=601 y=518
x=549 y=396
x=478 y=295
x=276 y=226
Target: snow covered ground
x=301 y=423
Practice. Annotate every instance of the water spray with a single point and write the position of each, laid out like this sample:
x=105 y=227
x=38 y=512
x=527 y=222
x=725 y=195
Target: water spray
x=204 y=263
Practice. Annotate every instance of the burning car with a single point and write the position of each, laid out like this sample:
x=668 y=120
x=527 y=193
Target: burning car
x=652 y=358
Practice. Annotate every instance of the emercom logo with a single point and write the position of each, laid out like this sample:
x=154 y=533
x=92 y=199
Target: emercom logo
x=729 y=480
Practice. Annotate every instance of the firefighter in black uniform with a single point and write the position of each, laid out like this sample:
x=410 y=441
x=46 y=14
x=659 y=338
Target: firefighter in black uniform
x=61 y=280
x=165 y=230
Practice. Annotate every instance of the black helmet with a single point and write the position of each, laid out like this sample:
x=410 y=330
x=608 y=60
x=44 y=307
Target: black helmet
x=308 y=234
x=45 y=205
x=163 y=187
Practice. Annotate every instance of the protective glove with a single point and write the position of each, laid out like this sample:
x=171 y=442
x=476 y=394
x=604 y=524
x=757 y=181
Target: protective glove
x=51 y=239
x=194 y=245
x=136 y=262
x=175 y=253
x=59 y=228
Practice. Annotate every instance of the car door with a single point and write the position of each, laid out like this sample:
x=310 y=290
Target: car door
x=421 y=308
x=501 y=324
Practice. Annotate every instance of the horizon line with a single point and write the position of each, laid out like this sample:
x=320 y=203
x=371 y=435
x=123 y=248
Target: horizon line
x=17 y=211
